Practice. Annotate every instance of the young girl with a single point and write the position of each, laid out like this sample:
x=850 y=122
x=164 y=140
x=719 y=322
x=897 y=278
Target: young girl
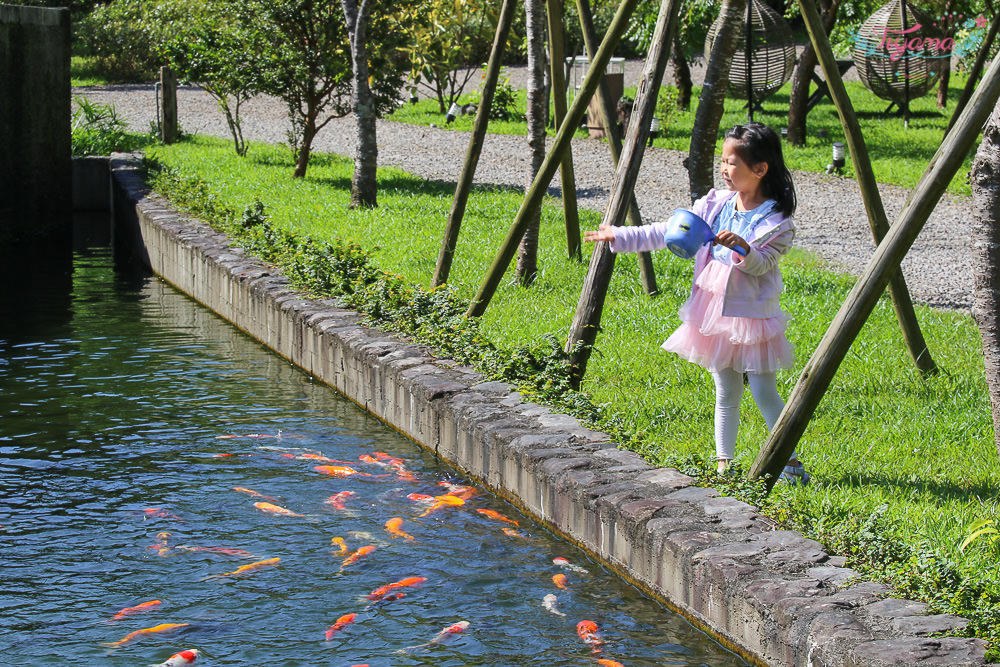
x=732 y=323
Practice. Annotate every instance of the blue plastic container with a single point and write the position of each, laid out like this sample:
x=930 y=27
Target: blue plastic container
x=688 y=233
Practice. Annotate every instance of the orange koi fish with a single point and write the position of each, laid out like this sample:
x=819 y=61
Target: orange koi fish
x=158 y=513
x=340 y=544
x=355 y=556
x=337 y=499
x=510 y=532
x=449 y=631
x=139 y=608
x=391 y=460
x=420 y=497
x=162 y=627
x=341 y=623
x=587 y=631
x=274 y=509
x=566 y=565
x=559 y=580
x=180 y=659
x=463 y=492
x=381 y=591
x=604 y=662
x=496 y=515
x=340 y=471
x=392 y=526
x=443 y=501
x=252 y=493
x=367 y=458
x=242 y=569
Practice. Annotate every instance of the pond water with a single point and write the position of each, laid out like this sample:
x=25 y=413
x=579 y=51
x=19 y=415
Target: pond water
x=139 y=436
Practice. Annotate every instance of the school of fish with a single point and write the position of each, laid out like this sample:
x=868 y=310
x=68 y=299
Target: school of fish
x=456 y=496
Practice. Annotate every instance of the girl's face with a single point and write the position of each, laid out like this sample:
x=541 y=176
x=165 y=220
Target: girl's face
x=737 y=174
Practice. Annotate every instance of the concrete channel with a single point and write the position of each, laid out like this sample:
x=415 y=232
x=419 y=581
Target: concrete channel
x=773 y=596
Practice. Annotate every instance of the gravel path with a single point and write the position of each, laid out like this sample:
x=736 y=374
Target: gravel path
x=831 y=218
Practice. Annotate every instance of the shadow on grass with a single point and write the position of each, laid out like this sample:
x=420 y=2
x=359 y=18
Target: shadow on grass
x=944 y=491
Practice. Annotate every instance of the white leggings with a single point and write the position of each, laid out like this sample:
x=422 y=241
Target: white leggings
x=729 y=392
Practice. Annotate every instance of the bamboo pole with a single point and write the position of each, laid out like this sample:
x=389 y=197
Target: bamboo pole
x=587 y=319
x=823 y=364
x=556 y=57
x=475 y=148
x=877 y=220
x=977 y=67
x=611 y=131
x=533 y=198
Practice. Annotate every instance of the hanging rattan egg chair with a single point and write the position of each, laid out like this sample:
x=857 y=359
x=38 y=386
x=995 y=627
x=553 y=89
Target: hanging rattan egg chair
x=885 y=68
x=772 y=52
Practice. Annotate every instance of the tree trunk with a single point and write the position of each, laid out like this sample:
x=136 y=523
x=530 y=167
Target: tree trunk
x=682 y=74
x=942 y=95
x=701 y=158
x=308 y=134
x=364 y=187
x=802 y=77
x=527 y=253
x=986 y=257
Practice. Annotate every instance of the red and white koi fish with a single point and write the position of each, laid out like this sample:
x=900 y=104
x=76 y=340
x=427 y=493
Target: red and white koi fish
x=587 y=631
x=337 y=500
x=443 y=501
x=559 y=580
x=392 y=526
x=158 y=513
x=355 y=556
x=252 y=493
x=566 y=565
x=382 y=591
x=420 y=498
x=496 y=515
x=604 y=662
x=449 y=631
x=180 y=659
x=340 y=471
x=549 y=602
x=251 y=567
x=274 y=509
x=137 y=609
x=341 y=623
x=368 y=458
x=162 y=627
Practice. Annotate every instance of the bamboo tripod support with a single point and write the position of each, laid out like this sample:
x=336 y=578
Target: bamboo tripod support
x=854 y=312
x=558 y=77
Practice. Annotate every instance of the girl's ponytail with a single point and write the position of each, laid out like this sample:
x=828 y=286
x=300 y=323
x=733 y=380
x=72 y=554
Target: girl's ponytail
x=759 y=143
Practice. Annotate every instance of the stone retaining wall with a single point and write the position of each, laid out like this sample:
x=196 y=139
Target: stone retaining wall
x=772 y=595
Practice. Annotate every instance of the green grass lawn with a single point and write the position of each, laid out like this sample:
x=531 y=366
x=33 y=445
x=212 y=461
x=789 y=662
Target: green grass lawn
x=899 y=156
x=916 y=454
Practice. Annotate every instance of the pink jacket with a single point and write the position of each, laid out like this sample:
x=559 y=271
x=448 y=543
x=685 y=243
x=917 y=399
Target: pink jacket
x=754 y=284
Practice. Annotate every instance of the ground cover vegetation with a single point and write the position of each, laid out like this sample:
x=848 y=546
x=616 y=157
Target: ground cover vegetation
x=904 y=466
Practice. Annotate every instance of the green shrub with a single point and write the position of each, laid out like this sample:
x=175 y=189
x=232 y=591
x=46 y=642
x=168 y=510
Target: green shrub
x=97 y=130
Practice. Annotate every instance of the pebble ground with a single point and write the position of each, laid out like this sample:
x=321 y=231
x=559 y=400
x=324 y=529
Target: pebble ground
x=831 y=218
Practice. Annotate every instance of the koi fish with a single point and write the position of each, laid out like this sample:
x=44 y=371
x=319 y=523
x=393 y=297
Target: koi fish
x=247 y=435
x=355 y=556
x=604 y=662
x=420 y=497
x=337 y=499
x=318 y=457
x=381 y=591
x=139 y=608
x=242 y=569
x=392 y=526
x=443 y=501
x=559 y=580
x=252 y=493
x=391 y=460
x=341 y=623
x=368 y=458
x=587 y=631
x=180 y=659
x=510 y=532
x=463 y=492
x=225 y=551
x=496 y=515
x=274 y=509
x=549 y=603
x=404 y=474
x=339 y=543
x=566 y=565
x=449 y=631
x=159 y=513
x=162 y=627
x=340 y=471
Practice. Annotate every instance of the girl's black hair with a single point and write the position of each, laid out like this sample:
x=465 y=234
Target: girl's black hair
x=758 y=143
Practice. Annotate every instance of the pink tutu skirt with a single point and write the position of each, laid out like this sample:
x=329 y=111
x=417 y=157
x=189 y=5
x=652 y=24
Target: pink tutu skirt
x=708 y=338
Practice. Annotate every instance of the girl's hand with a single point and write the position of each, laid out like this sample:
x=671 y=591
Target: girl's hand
x=602 y=233
x=730 y=240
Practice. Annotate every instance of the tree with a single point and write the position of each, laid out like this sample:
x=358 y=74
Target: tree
x=305 y=57
x=364 y=190
x=538 y=103
x=802 y=78
x=986 y=257
x=701 y=158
